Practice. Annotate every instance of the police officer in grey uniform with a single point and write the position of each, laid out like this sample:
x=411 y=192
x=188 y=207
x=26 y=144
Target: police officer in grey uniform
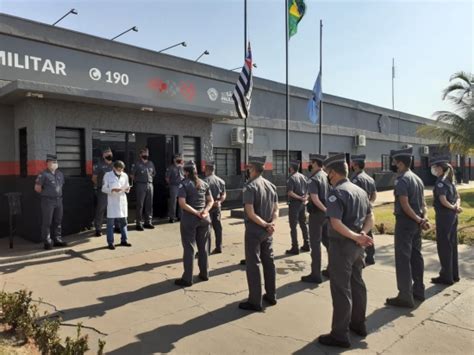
x=410 y=212
x=447 y=205
x=297 y=188
x=49 y=184
x=174 y=176
x=217 y=186
x=350 y=220
x=102 y=167
x=366 y=183
x=261 y=211
x=318 y=191
x=143 y=174
x=195 y=200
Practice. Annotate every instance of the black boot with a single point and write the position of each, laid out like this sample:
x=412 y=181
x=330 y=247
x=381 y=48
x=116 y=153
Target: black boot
x=311 y=279
x=399 y=302
x=250 y=307
x=328 y=340
x=293 y=251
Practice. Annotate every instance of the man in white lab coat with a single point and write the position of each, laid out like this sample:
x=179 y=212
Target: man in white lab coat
x=116 y=185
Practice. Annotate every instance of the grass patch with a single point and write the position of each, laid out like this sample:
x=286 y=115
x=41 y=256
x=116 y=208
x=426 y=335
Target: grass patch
x=385 y=220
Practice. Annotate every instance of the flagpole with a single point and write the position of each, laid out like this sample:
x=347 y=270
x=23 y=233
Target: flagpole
x=393 y=83
x=287 y=39
x=321 y=73
x=246 y=153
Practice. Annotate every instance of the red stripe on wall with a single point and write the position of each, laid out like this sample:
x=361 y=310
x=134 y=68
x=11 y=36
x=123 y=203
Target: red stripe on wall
x=268 y=166
x=373 y=164
x=89 y=167
x=36 y=166
x=9 y=168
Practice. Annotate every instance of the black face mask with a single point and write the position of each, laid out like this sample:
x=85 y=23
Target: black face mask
x=179 y=161
x=247 y=174
x=352 y=169
x=394 y=168
x=145 y=157
x=108 y=158
x=329 y=180
x=310 y=168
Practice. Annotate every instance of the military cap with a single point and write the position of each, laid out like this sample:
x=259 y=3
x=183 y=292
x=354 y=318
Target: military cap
x=295 y=164
x=406 y=152
x=210 y=164
x=51 y=157
x=257 y=160
x=106 y=150
x=440 y=159
x=317 y=157
x=178 y=155
x=190 y=164
x=338 y=158
x=360 y=157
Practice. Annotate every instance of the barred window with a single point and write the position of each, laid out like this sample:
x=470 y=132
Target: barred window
x=70 y=151
x=279 y=160
x=386 y=162
x=192 y=150
x=227 y=161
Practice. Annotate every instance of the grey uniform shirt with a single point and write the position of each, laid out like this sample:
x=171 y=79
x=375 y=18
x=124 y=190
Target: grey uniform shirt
x=262 y=194
x=100 y=169
x=51 y=184
x=144 y=172
x=217 y=186
x=175 y=175
x=298 y=184
x=409 y=184
x=195 y=197
x=365 y=182
x=318 y=185
x=350 y=204
x=446 y=188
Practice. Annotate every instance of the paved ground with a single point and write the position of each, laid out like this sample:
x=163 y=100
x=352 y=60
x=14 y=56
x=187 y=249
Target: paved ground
x=128 y=298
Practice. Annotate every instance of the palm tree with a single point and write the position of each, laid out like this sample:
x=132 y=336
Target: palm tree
x=455 y=128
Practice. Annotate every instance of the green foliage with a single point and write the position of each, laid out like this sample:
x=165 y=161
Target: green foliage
x=18 y=312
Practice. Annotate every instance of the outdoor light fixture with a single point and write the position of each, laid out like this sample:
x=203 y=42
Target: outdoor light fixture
x=147 y=109
x=72 y=11
x=253 y=65
x=206 y=52
x=184 y=44
x=35 y=95
x=134 y=29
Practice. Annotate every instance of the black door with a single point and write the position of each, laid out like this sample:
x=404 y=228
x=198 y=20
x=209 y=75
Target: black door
x=161 y=154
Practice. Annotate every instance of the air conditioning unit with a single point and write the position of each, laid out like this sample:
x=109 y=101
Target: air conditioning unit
x=406 y=146
x=238 y=133
x=360 y=141
x=425 y=150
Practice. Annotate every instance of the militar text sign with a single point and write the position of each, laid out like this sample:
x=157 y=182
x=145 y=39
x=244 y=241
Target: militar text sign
x=22 y=59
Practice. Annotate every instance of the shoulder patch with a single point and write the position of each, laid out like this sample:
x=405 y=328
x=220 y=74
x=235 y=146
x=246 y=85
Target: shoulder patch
x=440 y=184
x=332 y=198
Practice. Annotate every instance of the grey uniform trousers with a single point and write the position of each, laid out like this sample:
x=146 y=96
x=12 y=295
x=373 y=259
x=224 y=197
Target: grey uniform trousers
x=408 y=259
x=447 y=244
x=348 y=291
x=259 y=249
x=317 y=221
x=51 y=218
x=194 y=232
x=173 y=208
x=144 y=202
x=297 y=215
x=215 y=215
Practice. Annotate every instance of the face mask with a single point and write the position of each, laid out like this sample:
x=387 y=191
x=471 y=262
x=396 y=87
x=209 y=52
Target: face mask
x=179 y=161
x=329 y=179
x=117 y=173
x=434 y=171
x=310 y=168
x=108 y=157
x=145 y=157
x=352 y=169
x=54 y=166
x=247 y=174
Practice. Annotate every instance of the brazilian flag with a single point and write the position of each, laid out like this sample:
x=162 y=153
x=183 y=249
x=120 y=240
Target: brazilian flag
x=296 y=10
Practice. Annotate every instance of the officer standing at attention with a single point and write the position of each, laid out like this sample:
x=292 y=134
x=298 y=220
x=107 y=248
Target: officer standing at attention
x=297 y=188
x=366 y=183
x=174 y=177
x=49 y=184
x=410 y=212
x=350 y=220
x=261 y=211
x=196 y=201
x=102 y=167
x=447 y=205
x=318 y=191
x=217 y=186
x=142 y=174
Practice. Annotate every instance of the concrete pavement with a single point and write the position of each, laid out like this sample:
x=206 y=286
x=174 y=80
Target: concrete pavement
x=128 y=298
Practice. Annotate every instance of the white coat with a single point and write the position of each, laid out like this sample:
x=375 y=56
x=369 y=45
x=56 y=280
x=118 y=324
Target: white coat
x=117 y=204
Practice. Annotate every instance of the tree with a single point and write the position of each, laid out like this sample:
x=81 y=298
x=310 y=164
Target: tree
x=455 y=128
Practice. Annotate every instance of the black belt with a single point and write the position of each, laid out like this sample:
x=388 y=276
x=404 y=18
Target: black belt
x=143 y=182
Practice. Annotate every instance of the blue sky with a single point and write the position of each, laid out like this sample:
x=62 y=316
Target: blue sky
x=430 y=40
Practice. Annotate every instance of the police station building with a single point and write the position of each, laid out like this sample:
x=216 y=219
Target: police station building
x=71 y=94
